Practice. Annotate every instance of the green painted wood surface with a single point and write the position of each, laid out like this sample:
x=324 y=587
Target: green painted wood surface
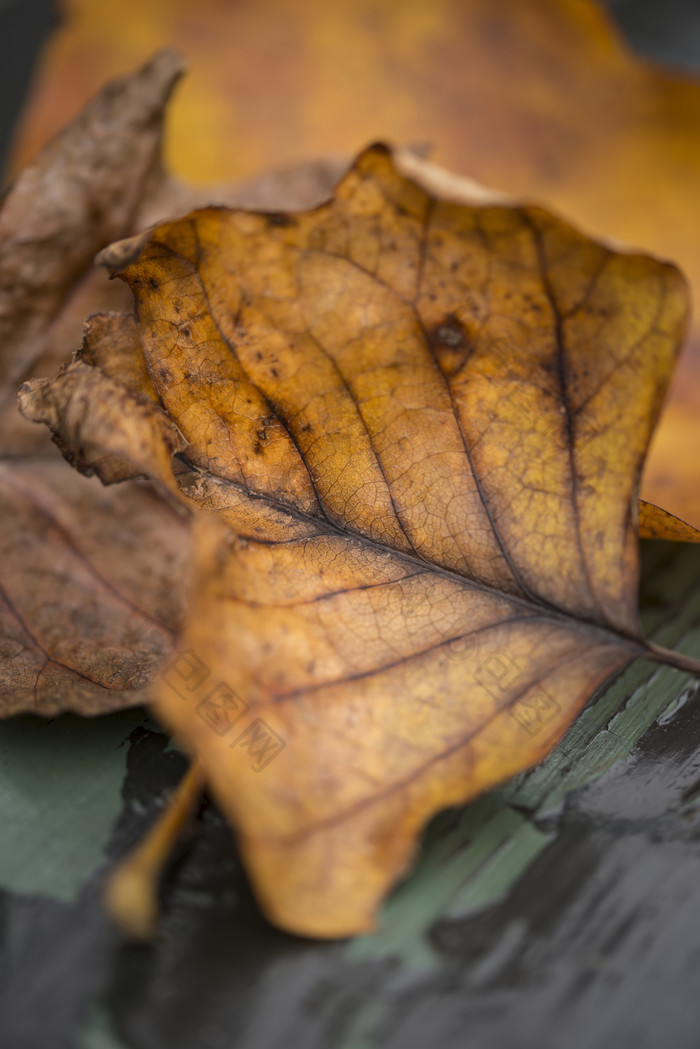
x=67 y=810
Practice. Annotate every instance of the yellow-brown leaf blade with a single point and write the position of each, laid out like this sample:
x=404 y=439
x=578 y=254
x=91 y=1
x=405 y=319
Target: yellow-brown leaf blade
x=442 y=379
x=344 y=695
x=423 y=424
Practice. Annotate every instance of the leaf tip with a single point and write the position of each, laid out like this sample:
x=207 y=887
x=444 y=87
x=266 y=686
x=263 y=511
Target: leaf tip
x=156 y=79
x=121 y=253
x=131 y=901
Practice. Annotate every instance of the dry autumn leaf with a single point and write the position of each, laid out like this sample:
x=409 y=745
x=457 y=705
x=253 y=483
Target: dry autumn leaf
x=89 y=594
x=85 y=189
x=417 y=429
x=655 y=523
x=91 y=582
x=99 y=179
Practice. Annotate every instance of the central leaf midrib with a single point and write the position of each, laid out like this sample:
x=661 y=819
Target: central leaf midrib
x=416 y=560
x=529 y=599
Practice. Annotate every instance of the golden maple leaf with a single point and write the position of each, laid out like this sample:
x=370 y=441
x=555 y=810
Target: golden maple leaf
x=414 y=430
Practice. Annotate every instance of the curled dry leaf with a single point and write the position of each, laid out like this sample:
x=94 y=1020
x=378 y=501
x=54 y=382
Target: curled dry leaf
x=89 y=599
x=90 y=581
x=83 y=190
x=655 y=523
x=98 y=180
x=417 y=429
x=75 y=635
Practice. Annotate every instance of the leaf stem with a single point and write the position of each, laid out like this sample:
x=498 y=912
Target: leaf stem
x=131 y=893
x=673 y=659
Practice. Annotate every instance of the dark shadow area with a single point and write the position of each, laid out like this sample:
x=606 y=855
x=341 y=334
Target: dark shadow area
x=666 y=32
x=24 y=26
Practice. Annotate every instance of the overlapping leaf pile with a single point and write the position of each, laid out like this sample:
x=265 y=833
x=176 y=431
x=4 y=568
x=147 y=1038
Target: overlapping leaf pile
x=410 y=432
x=91 y=582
